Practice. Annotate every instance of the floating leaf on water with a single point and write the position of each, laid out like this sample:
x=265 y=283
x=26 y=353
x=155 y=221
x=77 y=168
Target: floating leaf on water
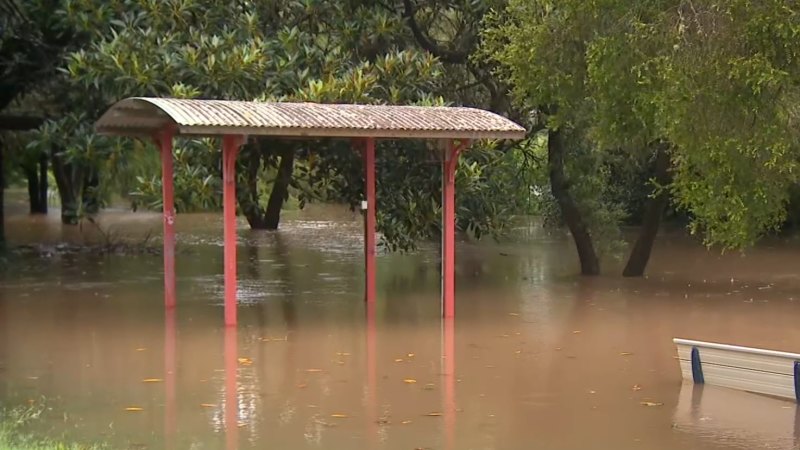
x=340 y=362
x=339 y=416
x=152 y=380
x=410 y=355
x=208 y=405
x=429 y=387
x=636 y=387
x=302 y=385
x=241 y=424
x=409 y=381
x=399 y=360
x=405 y=422
x=245 y=361
x=593 y=392
x=383 y=421
x=513 y=314
x=576 y=332
x=625 y=354
x=433 y=414
x=342 y=354
x=651 y=403
x=141 y=349
x=134 y=409
x=33 y=378
x=313 y=370
x=517 y=352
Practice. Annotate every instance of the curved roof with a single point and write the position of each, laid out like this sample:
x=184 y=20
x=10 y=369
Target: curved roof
x=141 y=116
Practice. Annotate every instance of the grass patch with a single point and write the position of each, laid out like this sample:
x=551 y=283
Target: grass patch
x=14 y=437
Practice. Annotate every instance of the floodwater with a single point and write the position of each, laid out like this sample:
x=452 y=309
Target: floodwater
x=536 y=357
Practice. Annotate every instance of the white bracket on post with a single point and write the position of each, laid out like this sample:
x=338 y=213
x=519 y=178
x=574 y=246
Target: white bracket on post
x=364 y=205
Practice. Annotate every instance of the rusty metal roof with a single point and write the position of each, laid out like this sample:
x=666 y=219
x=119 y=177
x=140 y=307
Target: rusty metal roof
x=140 y=116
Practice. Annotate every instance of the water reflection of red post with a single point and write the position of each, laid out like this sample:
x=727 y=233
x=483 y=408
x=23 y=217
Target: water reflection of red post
x=372 y=395
x=449 y=400
x=170 y=344
x=231 y=390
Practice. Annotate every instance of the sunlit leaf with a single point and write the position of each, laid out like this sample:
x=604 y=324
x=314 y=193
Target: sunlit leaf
x=409 y=381
x=339 y=416
x=152 y=380
x=134 y=409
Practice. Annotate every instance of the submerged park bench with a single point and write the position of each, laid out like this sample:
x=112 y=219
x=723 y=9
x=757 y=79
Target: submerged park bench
x=748 y=369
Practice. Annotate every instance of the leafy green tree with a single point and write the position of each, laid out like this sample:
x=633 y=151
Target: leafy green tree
x=702 y=89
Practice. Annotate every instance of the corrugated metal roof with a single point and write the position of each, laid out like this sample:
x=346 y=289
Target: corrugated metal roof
x=138 y=116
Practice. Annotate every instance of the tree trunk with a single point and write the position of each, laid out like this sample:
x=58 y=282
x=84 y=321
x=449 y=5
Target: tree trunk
x=32 y=174
x=2 y=198
x=37 y=185
x=640 y=254
x=66 y=189
x=590 y=264
x=43 y=184
x=248 y=197
x=280 y=189
x=90 y=196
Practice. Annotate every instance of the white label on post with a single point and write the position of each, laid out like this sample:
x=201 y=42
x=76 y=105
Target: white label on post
x=363 y=205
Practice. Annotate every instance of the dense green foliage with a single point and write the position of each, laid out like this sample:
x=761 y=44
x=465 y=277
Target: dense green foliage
x=355 y=51
x=716 y=80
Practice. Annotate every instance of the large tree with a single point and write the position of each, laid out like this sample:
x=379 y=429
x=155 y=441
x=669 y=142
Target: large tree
x=402 y=52
x=703 y=89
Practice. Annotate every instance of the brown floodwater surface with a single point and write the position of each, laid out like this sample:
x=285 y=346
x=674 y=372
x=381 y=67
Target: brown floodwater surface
x=537 y=357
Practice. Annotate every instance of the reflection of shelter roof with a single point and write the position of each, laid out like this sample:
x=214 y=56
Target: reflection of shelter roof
x=139 y=116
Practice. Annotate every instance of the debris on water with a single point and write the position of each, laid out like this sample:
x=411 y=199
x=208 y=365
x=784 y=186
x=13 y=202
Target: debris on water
x=134 y=409
x=245 y=361
x=339 y=416
x=651 y=403
x=208 y=405
x=636 y=387
x=625 y=354
x=409 y=381
x=152 y=380
x=433 y=414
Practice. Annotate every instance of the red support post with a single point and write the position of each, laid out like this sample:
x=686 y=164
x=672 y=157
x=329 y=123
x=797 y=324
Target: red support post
x=369 y=223
x=164 y=141
x=449 y=163
x=230 y=148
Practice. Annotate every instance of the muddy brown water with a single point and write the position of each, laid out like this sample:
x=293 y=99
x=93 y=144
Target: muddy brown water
x=536 y=358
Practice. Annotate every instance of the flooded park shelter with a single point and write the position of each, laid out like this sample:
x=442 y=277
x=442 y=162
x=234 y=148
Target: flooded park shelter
x=164 y=118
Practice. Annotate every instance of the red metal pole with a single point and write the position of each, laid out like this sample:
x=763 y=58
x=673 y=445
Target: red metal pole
x=448 y=229
x=164 y=140
x=369 y=227
x=231 y=389
x=230 y=147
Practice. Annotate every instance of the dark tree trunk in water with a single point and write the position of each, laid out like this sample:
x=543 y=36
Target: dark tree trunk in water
x=590 y=265
x=66 y=188
x=43 y=183
x=37 y=186
x=2 y=199
x=248 y=197
x=640 y=254
x=257 y=217
x=280 y=190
